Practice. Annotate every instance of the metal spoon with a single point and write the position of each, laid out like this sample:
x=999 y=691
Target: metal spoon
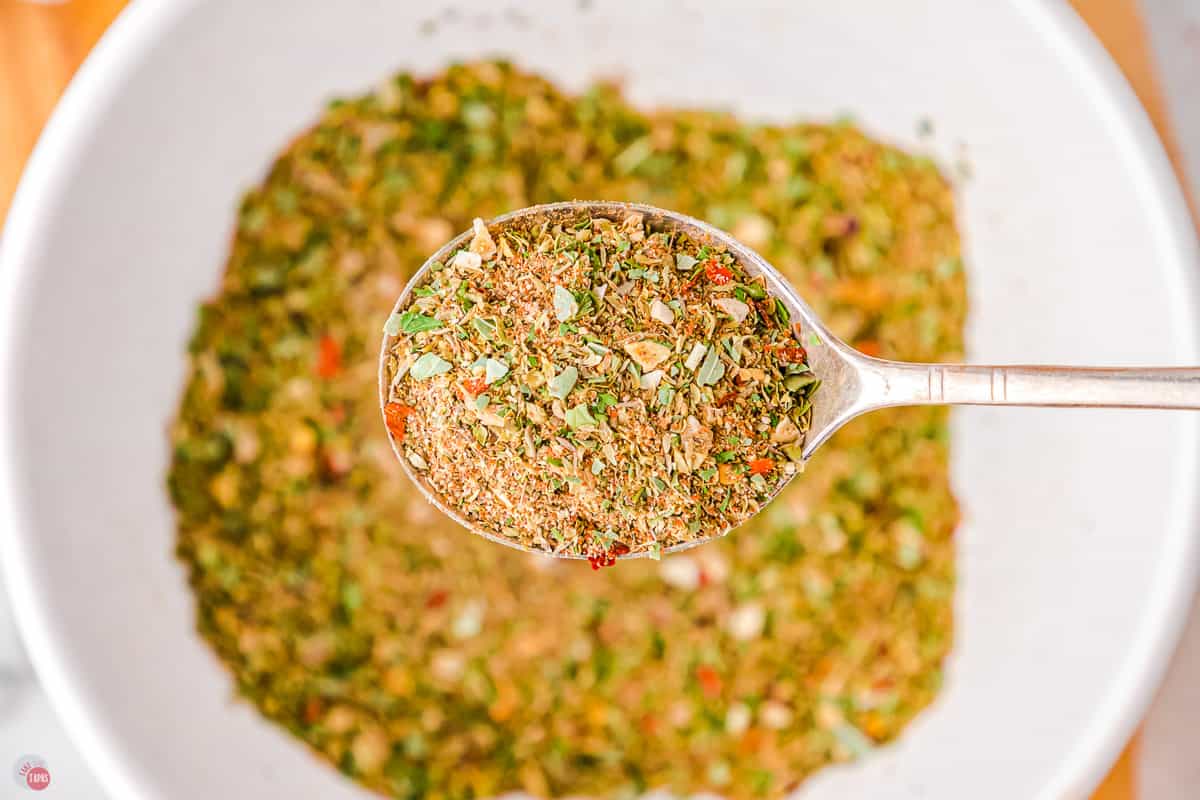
x=852 y=383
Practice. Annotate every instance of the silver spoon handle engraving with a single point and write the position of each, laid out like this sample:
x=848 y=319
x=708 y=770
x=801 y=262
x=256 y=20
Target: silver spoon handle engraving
x=896 y=383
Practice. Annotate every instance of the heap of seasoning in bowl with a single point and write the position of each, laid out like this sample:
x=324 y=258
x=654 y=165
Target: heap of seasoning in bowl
x=596 y=387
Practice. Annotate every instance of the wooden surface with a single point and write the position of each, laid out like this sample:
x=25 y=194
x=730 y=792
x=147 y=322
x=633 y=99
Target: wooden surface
x=41 y=46
x=1119 y=27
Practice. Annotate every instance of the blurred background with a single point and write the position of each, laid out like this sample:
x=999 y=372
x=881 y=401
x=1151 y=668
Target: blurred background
x=1155 y=42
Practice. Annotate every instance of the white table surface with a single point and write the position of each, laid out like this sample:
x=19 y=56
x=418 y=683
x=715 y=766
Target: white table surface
x=1169 y=763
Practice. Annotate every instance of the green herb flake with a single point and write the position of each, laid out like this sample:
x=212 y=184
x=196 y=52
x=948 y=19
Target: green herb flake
x=712 y=370
x=486 y=328
x=578 y=417
x=784 y=316
x=796 y=382
x=853 y=740
x=427 y=366
x=461 y=296
x=562 y=383
x=565 y=304
x=494 y=370
x=632 y=156
x=393 y=325
x=352 y=596
x=411 y=322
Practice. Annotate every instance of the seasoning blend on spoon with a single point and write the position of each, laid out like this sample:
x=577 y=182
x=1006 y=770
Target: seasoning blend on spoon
x=594 y=380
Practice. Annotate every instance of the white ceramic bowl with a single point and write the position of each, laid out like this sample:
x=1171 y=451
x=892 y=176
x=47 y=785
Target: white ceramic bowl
x=1078 y=551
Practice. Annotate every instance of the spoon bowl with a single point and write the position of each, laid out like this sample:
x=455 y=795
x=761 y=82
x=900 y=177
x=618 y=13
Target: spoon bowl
x=829 y=358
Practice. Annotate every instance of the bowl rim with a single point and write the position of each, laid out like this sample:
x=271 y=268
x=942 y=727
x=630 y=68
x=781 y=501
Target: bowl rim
x=122 y=49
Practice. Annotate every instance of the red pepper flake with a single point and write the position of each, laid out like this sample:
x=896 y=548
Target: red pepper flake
x=602 y=559
x=437 y=598
x=839 y=225
x=475 y=386
x=717 y=272
x=598 y=560
x=338 y=414
x=688 y=290
x=793 y=353
x=868 y=347
x=313 y=707
x=329 y=357
x=394 y=415
x=751 y=744
x=761 y=466
x=726 y=399
x=607 y=558
x=337 y=462
x=710 y=681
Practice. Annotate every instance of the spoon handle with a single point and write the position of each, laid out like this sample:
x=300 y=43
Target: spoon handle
x=954 y=384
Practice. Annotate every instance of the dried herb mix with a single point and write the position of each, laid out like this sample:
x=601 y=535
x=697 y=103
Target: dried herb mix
x=426 y=663
x=595 y=387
